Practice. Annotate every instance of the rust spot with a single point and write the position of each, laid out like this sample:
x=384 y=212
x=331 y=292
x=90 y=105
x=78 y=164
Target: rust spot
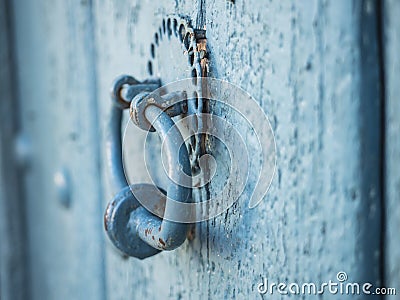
x=161 y=242
x=105 y=222
x=153 y=237
x=148 y=231
x=191 y=233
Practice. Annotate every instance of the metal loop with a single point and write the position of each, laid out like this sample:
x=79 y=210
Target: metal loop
x=117 y=86
x=133 y=229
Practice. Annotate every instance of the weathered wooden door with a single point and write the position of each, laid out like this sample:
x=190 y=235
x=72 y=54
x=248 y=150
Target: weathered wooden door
x=326 y=73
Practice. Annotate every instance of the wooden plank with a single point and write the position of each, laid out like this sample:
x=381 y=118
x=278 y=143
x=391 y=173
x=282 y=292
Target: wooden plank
x=124 y=33
x=13 y=263
x=309 y=67
x=58 y=110
x=391 y=17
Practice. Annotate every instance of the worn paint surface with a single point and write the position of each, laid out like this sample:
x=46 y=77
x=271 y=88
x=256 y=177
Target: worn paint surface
x=314 y=69
x=58 y=112
x=304 y=66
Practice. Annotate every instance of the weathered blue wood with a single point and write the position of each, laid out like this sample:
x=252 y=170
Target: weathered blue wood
x=391 y=39
x=124 y=33
x=312 y=66
x=308 y=65
x=13 y=266
x=55 y=60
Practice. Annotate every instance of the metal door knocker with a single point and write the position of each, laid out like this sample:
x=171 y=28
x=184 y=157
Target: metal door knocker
x=130 y=226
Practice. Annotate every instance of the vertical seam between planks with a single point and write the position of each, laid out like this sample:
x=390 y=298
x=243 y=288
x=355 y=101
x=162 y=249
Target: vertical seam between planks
x=24 y=256
x=95 y=106
x=381 y=61
x=370 y=130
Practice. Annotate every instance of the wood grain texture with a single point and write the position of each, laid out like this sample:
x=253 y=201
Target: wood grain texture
x=57 y=92
x=391 y=40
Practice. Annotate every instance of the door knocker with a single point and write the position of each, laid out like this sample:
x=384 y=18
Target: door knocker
x=130 y=226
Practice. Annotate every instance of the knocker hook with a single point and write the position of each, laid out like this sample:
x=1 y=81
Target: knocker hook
x=130 y=226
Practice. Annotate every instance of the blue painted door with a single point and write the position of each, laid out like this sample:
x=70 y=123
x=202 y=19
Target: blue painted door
x=324 y=72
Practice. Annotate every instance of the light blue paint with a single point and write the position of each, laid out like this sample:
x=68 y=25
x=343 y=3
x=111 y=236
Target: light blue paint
x=314 y=69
